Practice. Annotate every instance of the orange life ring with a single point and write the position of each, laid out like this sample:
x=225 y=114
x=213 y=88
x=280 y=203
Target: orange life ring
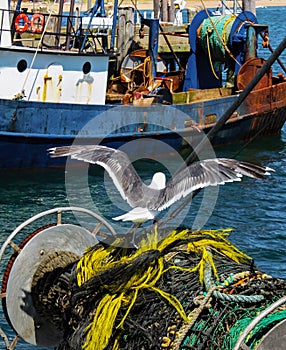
x=37 y=23
x=21 y=23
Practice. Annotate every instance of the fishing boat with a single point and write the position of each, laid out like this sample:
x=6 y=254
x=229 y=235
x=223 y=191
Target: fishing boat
x=69 y=76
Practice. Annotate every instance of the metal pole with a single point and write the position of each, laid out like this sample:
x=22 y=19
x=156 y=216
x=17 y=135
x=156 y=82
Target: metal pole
x=153 y=43
x=69 y=25
x=99 y=4
x=113 y=32
x=59 y=24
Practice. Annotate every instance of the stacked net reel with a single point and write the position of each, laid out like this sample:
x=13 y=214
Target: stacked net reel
x=188 y=290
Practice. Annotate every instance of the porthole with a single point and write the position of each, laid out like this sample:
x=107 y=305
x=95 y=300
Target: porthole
x=22 y=66
x=86 y=68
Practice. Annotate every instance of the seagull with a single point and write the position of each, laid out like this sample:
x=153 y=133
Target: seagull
x=147 y=201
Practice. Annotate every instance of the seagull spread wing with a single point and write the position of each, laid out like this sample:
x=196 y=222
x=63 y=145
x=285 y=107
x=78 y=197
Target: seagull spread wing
x=209 y=172
x=115 y=162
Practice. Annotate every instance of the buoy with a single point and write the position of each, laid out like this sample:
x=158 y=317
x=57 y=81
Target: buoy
x=21 y=23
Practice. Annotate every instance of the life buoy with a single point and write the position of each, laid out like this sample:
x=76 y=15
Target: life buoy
x=37 y=23
x=21 y=23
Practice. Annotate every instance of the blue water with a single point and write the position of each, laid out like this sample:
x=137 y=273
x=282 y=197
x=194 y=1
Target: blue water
x=254 y=209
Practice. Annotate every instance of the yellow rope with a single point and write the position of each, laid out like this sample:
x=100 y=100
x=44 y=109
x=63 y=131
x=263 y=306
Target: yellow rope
x=147 y=71
x=101 y=328
x=224 y=31
x=98 y=260
x=210 y=57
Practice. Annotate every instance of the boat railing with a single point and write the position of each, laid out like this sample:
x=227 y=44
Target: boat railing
x=55 y=31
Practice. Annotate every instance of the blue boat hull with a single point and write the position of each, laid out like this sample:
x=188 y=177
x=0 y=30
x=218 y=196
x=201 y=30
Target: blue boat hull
x=28 y=129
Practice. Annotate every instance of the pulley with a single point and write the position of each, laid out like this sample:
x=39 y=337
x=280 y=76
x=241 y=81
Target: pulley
x=41 y=258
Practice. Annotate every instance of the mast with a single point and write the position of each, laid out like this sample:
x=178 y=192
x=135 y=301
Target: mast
x=69 y=24
x=59 y=24
x=113 y=32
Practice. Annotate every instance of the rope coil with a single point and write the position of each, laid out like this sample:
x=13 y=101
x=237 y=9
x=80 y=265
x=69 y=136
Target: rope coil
x=166 y=279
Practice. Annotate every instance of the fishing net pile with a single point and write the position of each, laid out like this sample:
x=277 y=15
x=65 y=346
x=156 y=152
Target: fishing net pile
x=187 y=290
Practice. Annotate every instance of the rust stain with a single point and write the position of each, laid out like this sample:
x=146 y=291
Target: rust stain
x=210 y=119
x=89 y=87
x=46 y=79
x=200 y=111
x=80 y=88
x=14 y=119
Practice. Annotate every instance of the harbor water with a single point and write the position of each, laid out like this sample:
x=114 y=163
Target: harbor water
x=255 y=210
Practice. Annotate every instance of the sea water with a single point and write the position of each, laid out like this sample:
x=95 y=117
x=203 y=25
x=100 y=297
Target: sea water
x=255 y=210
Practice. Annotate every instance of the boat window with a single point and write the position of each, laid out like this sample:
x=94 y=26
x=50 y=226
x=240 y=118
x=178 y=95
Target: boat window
x=86 y=68
x=22 y=66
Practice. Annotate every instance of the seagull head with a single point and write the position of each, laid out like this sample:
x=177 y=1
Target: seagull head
x=158 y=181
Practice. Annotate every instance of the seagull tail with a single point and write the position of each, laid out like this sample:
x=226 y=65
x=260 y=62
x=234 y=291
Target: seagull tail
x=120 y=218
x=137 y=215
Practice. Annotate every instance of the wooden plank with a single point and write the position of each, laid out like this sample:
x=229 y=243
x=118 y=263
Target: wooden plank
x=178 y=39
x=200 y=95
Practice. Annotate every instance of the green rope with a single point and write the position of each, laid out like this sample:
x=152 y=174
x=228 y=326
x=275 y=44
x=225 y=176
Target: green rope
x=228 y=297
x=263 y=326
x=256 y=334
x=217 y=39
